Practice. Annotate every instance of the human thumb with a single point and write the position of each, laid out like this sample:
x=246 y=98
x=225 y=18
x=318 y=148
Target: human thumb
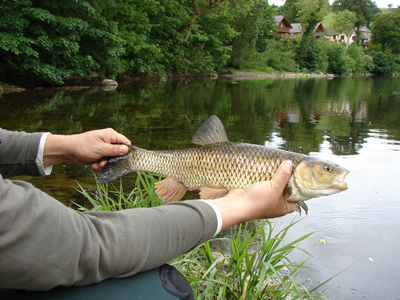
x=283 y=174
x=119 y=149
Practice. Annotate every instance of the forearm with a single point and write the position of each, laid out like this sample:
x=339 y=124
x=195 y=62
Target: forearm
x=19 y=153
x=45 y=244
x=57 y=150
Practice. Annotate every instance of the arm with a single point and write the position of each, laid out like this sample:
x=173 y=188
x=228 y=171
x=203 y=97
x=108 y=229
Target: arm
x=19 y=153
x=24 y=153
x=44 y=244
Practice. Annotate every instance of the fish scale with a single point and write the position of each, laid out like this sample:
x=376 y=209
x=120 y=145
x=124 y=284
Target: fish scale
x=231 y=165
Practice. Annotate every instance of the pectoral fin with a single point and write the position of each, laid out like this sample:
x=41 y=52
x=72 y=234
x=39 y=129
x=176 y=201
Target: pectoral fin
x=303 y=206
x=300 y=204
x=213 y=192
x=170 y=190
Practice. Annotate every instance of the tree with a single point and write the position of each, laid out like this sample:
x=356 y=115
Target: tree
x=344 y=22
x=362 y=8
x=54 y=40
x=290 y=10
x=386 y=31
x=253 y=24
x=308 y=51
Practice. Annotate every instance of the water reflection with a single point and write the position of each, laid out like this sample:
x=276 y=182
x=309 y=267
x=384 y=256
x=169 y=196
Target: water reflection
x=351 y=121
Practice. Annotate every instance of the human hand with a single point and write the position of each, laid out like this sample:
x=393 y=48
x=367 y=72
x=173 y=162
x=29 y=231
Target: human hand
x=92 y=147
x=261 y=200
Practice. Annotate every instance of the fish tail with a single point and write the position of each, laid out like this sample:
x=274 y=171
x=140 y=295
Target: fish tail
x=116 y=167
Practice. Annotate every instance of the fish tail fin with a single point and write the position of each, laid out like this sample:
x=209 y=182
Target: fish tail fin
x=116 y=167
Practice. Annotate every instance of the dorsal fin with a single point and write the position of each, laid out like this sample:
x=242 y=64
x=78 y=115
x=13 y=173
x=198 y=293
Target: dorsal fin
x=210 y=132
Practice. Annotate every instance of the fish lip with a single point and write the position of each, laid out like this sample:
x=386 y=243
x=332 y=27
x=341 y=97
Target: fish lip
x=340 y=183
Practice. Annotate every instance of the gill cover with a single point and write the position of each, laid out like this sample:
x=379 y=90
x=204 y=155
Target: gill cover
x=314 y=178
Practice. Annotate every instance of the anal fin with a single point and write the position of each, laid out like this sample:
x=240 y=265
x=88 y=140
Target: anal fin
x=213 y=192
x=170 y=190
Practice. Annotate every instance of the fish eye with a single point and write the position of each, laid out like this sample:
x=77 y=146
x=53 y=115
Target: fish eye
x=328 y=168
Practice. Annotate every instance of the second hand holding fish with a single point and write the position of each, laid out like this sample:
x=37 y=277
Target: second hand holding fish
x=258 y=201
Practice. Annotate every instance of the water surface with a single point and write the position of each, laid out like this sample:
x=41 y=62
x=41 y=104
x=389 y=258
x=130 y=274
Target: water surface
x=351 y=121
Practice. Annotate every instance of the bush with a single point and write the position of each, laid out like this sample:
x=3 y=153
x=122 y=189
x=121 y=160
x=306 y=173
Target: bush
x=278 y=55
x=361 y=62
x=339 y=63
x=308 y=53
x=385 y=62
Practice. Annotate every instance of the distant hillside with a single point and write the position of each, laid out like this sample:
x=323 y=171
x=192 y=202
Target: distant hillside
x=327 y=21
x=387 y=10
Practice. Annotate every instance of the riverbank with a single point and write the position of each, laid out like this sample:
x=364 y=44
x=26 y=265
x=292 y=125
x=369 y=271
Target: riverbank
x=111 y=84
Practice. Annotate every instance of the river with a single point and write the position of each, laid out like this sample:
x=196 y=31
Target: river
x=353 y=121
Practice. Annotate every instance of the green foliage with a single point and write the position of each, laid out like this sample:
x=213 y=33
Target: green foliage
x=344 y=22
x=290 y=10
x=312 y=11
x=114 y=199
x=55 y=40
x=385 y=62
x=361 y=62
x=252 y=269
x=47 y=42
x=278 y=55
x=362 y=8
x=328 y=20
x=308 y=53
x=386 y=31
x=251 y=23
x=339 y=62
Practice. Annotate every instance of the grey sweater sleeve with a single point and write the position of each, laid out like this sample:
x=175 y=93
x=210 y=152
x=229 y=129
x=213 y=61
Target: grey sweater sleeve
x=44 y=244
x=18 y=153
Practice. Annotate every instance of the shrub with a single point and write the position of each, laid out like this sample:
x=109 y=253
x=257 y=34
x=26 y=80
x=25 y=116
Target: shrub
x=308 y=53
x=339 y=63
x=362 y=63
x=385 y=62
x=278 y=55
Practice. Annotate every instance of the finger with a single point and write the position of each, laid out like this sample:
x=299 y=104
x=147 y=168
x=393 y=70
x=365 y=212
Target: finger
x=119 y=138
x=291 y=207
x=122 y=139
x=97 y=167
x=114 y=150
x=283 y=174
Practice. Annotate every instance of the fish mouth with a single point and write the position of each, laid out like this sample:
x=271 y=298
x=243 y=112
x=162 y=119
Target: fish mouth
x=340 y=183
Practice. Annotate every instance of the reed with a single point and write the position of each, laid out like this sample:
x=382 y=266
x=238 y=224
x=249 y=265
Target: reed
x=256 y=264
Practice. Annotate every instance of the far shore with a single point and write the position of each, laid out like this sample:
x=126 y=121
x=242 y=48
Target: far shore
x=240 y=75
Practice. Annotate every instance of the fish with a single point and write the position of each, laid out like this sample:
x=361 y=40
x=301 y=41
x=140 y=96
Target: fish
x=217 y=166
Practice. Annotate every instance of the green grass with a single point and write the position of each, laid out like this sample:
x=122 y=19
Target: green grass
x=256 y=264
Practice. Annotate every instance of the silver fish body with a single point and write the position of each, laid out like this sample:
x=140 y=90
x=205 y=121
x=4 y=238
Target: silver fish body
x=219 y=166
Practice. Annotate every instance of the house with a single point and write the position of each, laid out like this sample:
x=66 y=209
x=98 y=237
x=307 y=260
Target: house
x=365 y=36
x=297 y=30
x=344 y=37
x=319 y=30
x=283 y=26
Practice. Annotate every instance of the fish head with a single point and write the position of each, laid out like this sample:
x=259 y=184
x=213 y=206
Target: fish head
x=314 y=178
